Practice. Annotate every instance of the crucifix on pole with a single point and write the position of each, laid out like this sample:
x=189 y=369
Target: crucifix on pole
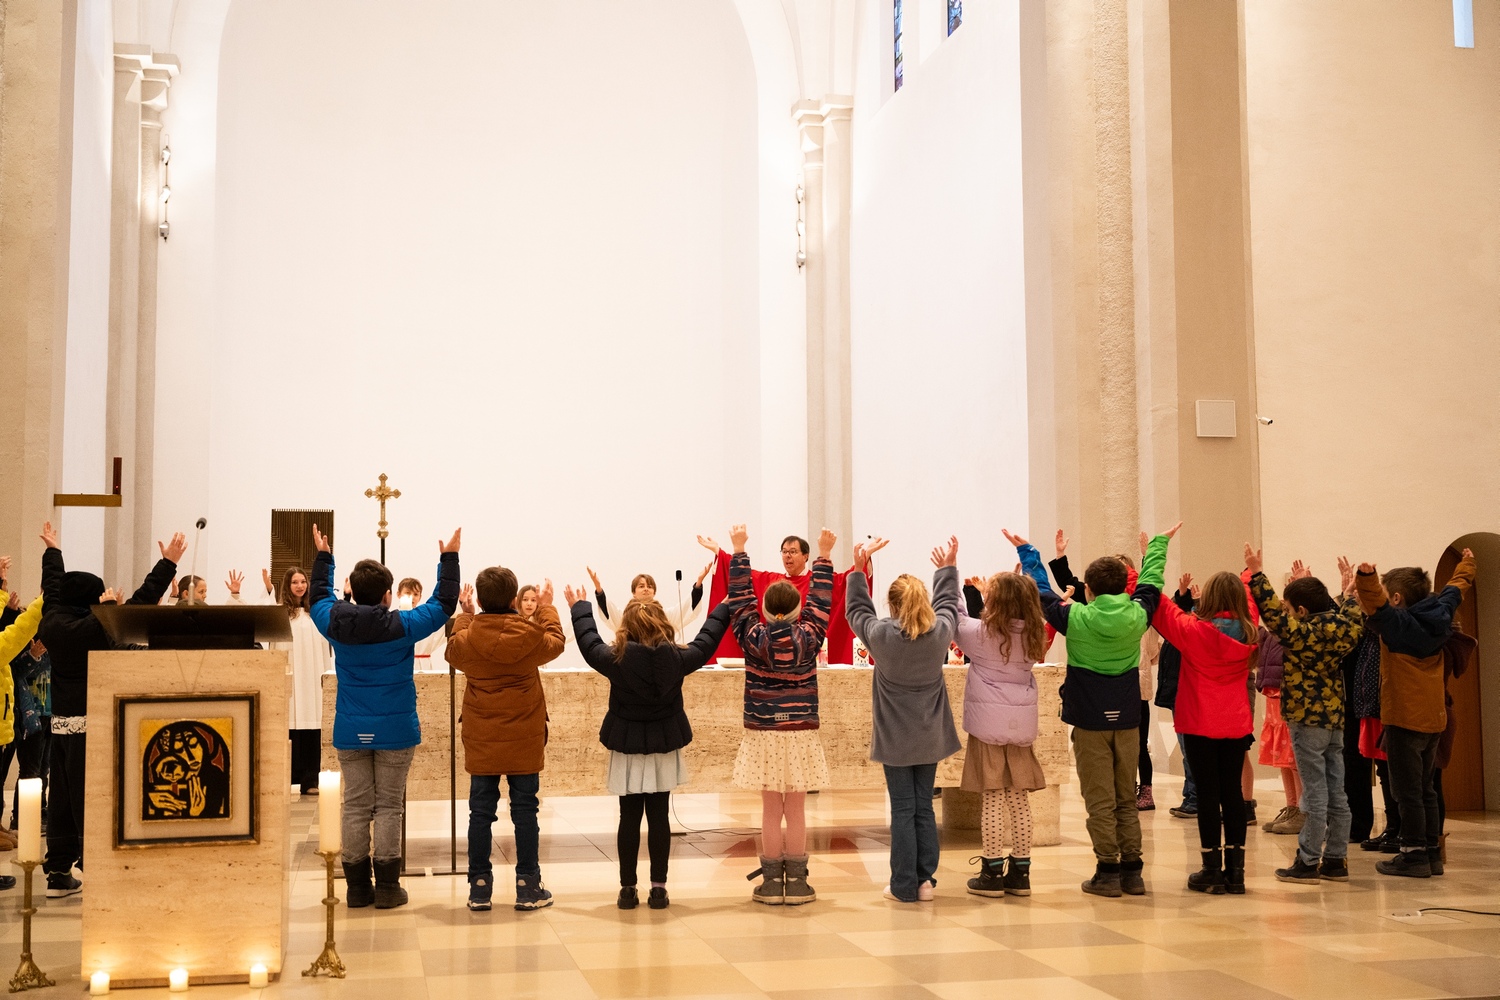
x=383 y=493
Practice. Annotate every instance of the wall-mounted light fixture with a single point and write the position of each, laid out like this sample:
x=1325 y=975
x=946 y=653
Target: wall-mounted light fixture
x=164 y=228
x=801 y=228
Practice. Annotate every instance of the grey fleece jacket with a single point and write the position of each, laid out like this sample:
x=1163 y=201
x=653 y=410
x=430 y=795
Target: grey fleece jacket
x=913 y=722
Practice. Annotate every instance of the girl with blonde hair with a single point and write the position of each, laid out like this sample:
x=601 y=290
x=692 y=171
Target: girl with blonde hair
x=1004 y=641
x=913 y=722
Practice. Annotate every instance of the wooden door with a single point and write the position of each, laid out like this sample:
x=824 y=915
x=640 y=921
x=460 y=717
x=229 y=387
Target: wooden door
x=291 y=541
x=1463 y=780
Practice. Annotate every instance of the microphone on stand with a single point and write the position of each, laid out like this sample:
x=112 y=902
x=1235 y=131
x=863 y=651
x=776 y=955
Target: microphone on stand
x=192 y=598
x=681 y=629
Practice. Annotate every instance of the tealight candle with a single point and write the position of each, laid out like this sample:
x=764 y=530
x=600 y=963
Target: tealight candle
x=259 y=977
x=177 y=980
x=99 y=981
x=29 y=835
x=330 y=807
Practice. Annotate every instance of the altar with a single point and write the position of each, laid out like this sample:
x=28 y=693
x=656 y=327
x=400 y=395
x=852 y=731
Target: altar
x=714 y=699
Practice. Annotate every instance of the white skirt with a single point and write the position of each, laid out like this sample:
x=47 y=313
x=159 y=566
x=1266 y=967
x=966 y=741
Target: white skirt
x=781 y=760
x=645 y=773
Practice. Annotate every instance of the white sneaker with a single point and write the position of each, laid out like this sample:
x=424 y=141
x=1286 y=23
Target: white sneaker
x=926 y=891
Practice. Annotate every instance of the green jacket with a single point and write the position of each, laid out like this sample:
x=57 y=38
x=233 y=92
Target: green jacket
x=1104 y=635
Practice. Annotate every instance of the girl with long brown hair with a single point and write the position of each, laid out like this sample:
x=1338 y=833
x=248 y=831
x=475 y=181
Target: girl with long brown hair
x=646 y=727
x=1212 y=714
x=1004 y=640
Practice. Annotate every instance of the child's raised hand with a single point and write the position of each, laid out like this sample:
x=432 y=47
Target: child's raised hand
x=452 y=544
x=321 y=541
x=598 y=587
x=861 y=558
x=1253 y=560
x=265 y=577
x=4 y=567
x=977 y=582
x=826 y=542
x=235 y=579
x=466 y=598
x=706 y=570
x=1145 y=542
x=738 y=536
x=709 y=544
x=49 y=537
x=14 y=601
x=1061 y=543
x=544 y=595
x=1468 y=553
x=1300 y=570
x=573 y=596
x=944 y=557
x=1173 y=530
x=109 y=596
x=1015 y=540
x=1067 y=595
x=1197 y=593
x=1185 y=584
x=1365 y=567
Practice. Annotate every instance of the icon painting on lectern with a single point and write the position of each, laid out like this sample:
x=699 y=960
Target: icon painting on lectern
x=185 y=769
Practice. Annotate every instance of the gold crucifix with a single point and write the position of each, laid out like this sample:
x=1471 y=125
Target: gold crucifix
x=383 y=493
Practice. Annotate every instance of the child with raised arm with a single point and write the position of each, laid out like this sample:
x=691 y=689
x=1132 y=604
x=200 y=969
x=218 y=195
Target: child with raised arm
x=643 y=588
x=646 y=727
x=1102 y=702
x=1004 y=642
x=1414 y=625
x=70 y=631
x=913 y=722
x=375 y=725
x=504 y=720
x=1316 y=633
x=780 y=754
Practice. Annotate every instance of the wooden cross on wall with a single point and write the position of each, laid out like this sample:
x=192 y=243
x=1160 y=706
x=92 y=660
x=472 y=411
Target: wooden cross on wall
x=383 y=493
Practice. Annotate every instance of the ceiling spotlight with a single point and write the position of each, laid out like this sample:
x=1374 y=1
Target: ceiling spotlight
x=166 y=155
x=166 y=193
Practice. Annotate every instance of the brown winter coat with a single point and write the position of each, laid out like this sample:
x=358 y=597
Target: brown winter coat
x=505 y=710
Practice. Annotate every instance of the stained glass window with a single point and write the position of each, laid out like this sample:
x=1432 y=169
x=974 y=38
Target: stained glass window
x=955 y=15
x=896 y=7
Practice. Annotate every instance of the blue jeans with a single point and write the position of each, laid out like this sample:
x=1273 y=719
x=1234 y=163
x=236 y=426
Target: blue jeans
x=1320 y=763
x=484 y=799
x=1189 y=786
x=914 y=836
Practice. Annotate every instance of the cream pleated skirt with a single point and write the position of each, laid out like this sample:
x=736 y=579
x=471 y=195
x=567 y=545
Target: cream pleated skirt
x=781 y=760
x=645 y=773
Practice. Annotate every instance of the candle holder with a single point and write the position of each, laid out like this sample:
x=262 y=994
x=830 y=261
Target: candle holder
x=28 y=976
x=329 y=960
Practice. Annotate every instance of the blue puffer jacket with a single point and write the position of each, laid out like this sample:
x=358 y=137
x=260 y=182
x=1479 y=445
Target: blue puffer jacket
x=372 y=654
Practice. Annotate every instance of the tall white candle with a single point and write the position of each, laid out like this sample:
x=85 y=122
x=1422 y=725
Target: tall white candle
x=29 y=837
x=330 y=811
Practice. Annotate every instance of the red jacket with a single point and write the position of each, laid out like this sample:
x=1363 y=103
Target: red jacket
x=1211 y=690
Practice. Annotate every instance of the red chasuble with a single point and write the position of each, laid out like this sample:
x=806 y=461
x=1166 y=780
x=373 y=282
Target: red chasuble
x=840 y=635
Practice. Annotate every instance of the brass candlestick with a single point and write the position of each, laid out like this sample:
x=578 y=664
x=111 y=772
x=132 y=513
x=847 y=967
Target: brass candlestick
x=329 y=960
x=28 y=976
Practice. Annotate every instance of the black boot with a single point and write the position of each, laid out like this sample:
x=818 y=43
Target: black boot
x=388 y=891
x=358 y=891
x=1018 y=876
x=1106 y=880
x=1435 y=860
x=1132 y=877
x=1234 y=870
x=991 y=878
x=1209 y=878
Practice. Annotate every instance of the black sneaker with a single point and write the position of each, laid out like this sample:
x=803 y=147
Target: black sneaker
x=1132 y=882
x=7 y=882
x=990 y=881
x=60 y=885
x=530 y=893
x=1184 y=811
x=628 y=898
x=1386 y=843
x=1106 y=881
x=1410 y=864
x=1435 y=860
x=1300 y=872
x=657 y=899
x=1018 y=877
x=1250 y=805
x=1334 y=870
x=480 y=890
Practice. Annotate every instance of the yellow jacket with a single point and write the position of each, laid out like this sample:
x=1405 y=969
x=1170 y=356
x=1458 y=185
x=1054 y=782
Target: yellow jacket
x=12 y=641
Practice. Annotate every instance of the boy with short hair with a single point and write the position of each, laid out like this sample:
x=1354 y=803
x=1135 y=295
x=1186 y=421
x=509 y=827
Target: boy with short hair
x=1414 y=625
x=375 y=725
x=1102 y=702
x=504 y=723
x=1316 y=633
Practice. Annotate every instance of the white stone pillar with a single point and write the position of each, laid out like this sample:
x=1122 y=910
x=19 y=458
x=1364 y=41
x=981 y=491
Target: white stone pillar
x=828 y=182
x=141 y=81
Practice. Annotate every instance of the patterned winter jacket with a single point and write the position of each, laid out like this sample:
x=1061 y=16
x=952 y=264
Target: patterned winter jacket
x=781 y=657
x=1313 y=651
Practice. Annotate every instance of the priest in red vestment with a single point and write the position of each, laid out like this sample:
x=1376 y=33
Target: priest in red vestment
x=794 y=553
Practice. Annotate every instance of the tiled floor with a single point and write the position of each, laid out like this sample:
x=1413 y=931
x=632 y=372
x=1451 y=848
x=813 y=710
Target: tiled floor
x=1325 y=942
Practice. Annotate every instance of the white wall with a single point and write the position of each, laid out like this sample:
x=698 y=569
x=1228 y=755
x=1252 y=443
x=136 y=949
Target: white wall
x=86 y=467
x=505 y=253
x=939 y=336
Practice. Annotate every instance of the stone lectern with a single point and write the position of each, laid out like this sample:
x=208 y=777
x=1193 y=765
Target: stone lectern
x=185 y=840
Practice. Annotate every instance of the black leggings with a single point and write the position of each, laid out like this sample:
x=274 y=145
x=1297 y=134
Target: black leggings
x=658 y=834
x=1216 y=768
x=1143 y=762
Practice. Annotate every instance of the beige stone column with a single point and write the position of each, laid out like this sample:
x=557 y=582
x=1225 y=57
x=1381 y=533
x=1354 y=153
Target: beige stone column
x=827 y=168
x=141 y=81
x=37 y=50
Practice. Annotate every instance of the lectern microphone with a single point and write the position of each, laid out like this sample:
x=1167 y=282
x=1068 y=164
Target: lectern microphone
x=190 y=596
